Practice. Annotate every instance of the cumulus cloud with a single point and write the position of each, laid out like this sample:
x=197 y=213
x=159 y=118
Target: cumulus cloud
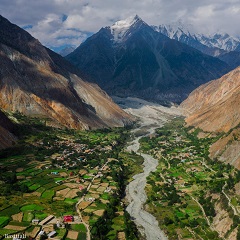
x=52 y=33
x=69 y=22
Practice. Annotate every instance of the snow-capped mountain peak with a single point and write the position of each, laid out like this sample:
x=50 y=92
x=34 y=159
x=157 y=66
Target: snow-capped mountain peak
x=176 y=29
x=120 y=28
x=187 y=34
x=220 y=40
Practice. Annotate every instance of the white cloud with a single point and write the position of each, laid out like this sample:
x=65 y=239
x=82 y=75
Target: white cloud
x=53 y=29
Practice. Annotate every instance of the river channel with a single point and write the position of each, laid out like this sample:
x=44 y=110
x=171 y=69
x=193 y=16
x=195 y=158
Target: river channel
x=150 y=117
x=135 y=192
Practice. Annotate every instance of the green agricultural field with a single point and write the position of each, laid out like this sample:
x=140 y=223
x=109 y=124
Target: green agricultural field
x=100 y=205
x=70 y=201
x=105 y=196
x=134 y=163
x=21 y=224
x=112 y=235
x=42 y=180
x=234 y=201
x=61 y=233
x=28 y=183
x=40 y=190
x=48 y=194
x=30 y=229
x=41 y=215
x=82 y=235
x=9 y=211
x=4 y=221
x=7 y=231
x=50 y=185
x=34 y=187
x=118 y=223
x=92 y=221
x=87 y=177
x=28 y=216
x=58 y=179
x=31 y=207
x=79 y=227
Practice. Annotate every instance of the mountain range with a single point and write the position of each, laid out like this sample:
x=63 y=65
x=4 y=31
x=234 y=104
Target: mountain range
x=187 y=34
x=37 y=82
x=214 y=106
x=221 y=45
x=130 y=58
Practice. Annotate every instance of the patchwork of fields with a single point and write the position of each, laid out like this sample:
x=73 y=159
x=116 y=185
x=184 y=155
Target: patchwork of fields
x=51 y=171
x=192 y=196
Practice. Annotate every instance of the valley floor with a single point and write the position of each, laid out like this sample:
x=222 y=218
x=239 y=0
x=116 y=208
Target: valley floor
x=150 y=116
x=72 y=184
x=190 y=195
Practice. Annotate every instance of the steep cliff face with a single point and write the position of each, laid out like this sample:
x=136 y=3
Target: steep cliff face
x=7 y=138
x=227 y=148
x=38 y=82
x=214 y=107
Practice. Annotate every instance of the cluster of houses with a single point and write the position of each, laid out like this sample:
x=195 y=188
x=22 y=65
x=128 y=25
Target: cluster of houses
x=72 y=154
x=47 y=229
x=89 y=199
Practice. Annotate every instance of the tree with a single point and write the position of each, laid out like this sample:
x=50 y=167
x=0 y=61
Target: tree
x=168 y=221
x=23 y=188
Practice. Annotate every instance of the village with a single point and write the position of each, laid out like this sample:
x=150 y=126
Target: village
x=64 y=185
x=187 y=187
x=87 y=189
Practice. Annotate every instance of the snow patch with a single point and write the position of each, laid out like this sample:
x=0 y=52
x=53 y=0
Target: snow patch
x=120 y=28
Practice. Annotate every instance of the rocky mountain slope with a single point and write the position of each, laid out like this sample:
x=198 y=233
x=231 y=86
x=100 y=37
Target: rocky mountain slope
x=38 y=82
x=231 y=58
x=7 y=137
x=214 y=107
x=129 y=58
x=221 y=45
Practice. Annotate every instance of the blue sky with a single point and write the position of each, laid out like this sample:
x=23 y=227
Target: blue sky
x=58 y=23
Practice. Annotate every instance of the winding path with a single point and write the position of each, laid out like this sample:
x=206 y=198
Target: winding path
x=88 y=235
x=235 y=211
x=202 y=209
x=82 y=198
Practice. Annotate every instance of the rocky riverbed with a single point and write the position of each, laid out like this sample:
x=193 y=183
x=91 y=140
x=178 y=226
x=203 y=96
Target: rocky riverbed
x=150 y=116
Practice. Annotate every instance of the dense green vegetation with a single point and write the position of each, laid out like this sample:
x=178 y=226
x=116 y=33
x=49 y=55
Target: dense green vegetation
x=115 y=219
x=187 y=191
x=49 y=169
